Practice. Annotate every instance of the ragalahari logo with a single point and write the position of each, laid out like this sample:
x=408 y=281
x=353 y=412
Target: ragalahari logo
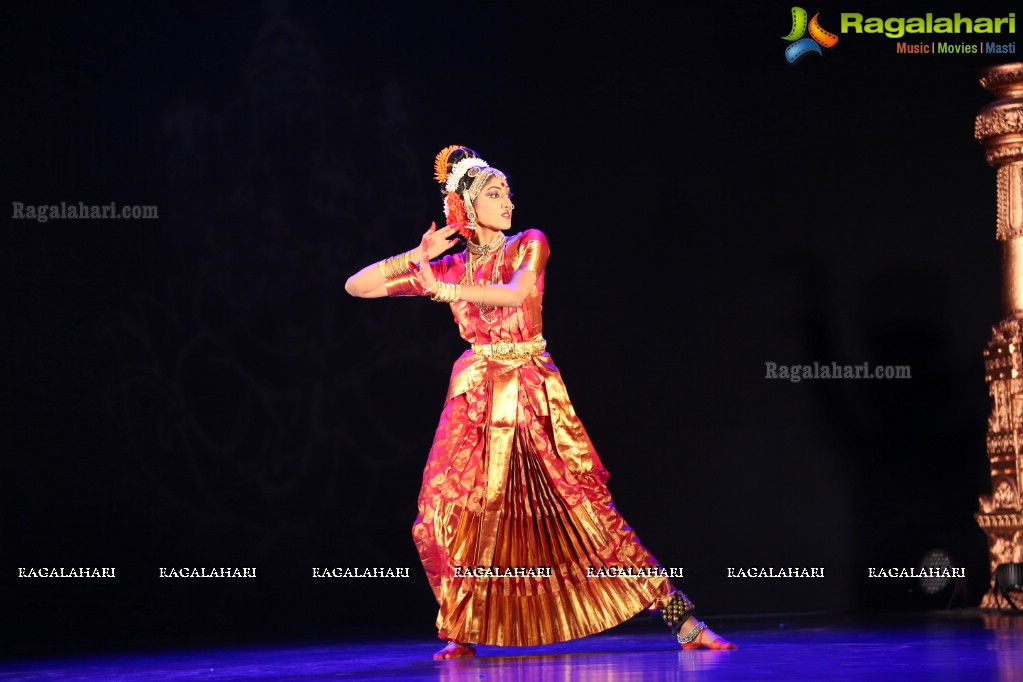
x=802 y=46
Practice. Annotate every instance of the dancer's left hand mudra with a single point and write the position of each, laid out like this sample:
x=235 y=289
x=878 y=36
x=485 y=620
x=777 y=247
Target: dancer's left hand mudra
x=371 y=281
x=435 y=242
x=434 y=239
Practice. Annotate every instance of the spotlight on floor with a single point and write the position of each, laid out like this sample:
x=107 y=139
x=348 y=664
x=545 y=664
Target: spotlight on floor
x=1009 y=579
x=937 y=573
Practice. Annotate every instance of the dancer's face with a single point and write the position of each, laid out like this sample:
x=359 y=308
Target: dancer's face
x=493 y=205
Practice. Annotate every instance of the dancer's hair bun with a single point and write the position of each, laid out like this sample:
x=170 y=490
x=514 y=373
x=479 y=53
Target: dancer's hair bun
x=447 y=158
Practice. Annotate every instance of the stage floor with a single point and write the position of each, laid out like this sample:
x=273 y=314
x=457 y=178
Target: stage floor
x=946 y=645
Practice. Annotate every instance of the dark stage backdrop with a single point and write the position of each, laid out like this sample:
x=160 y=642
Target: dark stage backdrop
x=197 y=390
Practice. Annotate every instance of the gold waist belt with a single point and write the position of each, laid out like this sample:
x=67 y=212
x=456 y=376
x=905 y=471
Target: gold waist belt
x=507 y=349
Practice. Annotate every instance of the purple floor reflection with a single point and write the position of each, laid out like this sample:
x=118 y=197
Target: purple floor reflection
x=950 y=645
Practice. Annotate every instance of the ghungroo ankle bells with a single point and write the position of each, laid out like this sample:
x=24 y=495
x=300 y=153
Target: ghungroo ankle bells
x=677 y=610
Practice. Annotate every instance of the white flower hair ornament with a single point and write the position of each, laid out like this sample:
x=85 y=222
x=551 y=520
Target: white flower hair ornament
x=459 y=170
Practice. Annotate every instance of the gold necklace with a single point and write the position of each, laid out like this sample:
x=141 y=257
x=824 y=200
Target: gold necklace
x=478 y=250
x=487 y=312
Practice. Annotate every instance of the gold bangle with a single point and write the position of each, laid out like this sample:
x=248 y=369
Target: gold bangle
x=403 y=263
x=447 y=292
x=396 y=266
x=482 y=290
x=452 y=296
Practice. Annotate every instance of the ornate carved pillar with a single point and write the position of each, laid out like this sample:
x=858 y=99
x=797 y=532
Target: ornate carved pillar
x=999 y=127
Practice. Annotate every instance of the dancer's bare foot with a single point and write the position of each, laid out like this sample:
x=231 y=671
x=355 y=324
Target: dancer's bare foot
x=705 y=638
x=455 y=650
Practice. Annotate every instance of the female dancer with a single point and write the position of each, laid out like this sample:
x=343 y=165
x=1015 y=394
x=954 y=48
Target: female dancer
x=517 y=531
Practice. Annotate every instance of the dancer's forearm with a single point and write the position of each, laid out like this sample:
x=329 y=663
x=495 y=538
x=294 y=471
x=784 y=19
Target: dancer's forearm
x=510 y=295
x=371 y=281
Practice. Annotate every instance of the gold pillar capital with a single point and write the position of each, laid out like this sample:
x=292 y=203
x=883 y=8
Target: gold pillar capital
x=999 y=125
x=1004 y=80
